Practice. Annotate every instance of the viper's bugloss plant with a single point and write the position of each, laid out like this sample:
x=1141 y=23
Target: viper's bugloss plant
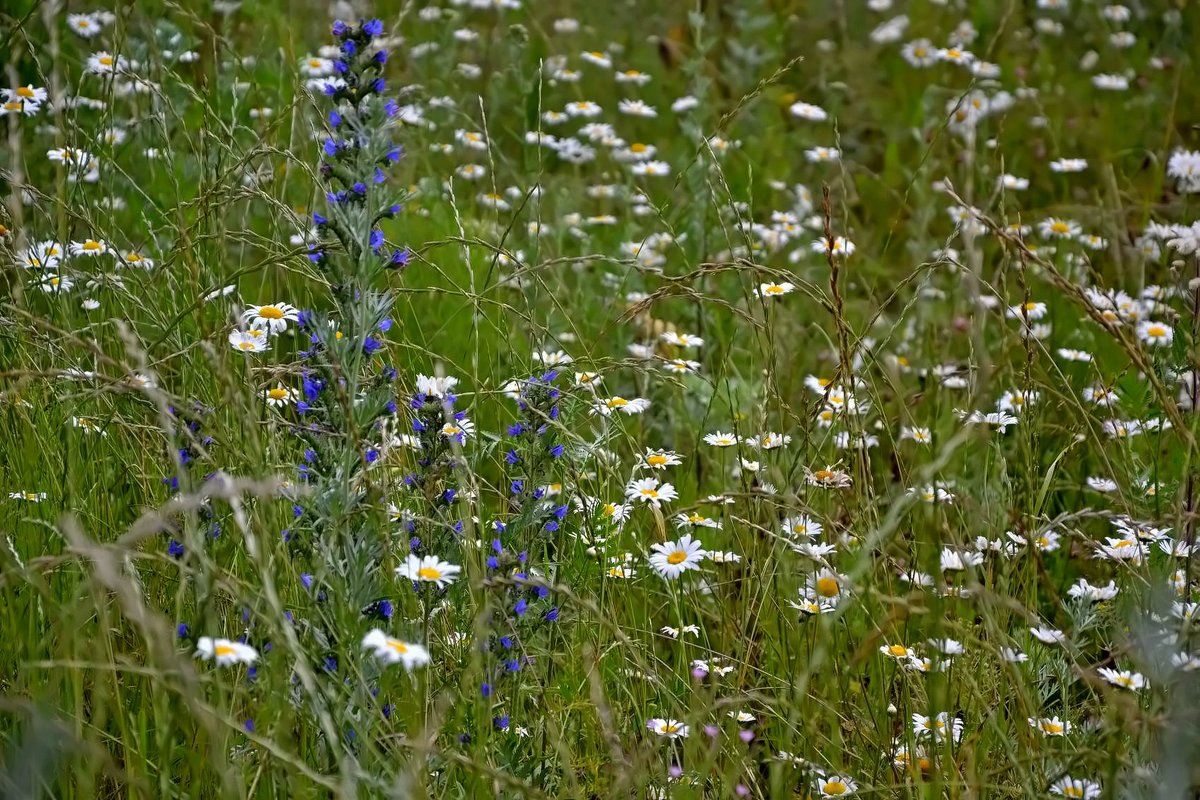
x=340 y=537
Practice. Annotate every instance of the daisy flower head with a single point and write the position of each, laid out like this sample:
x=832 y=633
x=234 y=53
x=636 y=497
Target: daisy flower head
x=828 y=584
x=767 y=290
x=395 y=651
x=583 y=108
x=681 y=366
x=440 y=387
x=26 y=108
x=1075 y=788
x=85 y=25
x=819 y=155
x=460 y=429
x=720 y=439
x=104 y=63
x=1155 y=334
x=1055 y=228
x=27 y=94
x=597 y=57
x=428 y=569
x=670 y=728
x=838 y=246
x=316 y=66
x=612 y=404
x=272 y=318
x=89 y=247
x=659 y=459
x=896 y=651
x=829 y=478
x=633 y=76
x=1050 y=726
x=919 y=53
x=834 y=786
x=650 y=491
x=131 y=258
x=1067 y=165
x=802 y=526
x=809 y=112
x=651 y=168
x=45 y=255
x=279 y=396
x=253 y=341
x=681 y=339
x=938 y=726
x=225 y=652
x=1124 y=679
x=636 y=108
x=672 y=559
x=1030 y=310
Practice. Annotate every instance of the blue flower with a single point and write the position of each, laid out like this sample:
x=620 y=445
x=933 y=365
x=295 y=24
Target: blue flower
x=373 y=27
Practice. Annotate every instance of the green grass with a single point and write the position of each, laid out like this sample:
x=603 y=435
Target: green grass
x=100 y=695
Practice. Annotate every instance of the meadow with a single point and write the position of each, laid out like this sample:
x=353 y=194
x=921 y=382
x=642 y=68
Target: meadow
x=633 y=399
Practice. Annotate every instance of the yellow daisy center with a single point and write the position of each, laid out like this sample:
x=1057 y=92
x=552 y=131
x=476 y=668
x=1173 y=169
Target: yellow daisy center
x=245 y=345
x=617 y=402
x=429 y=573
x=649 y=492
x=897 y=650
x=106 y=61
x=774 y=289
x=827 y=587
x=834 y=788
x=270 y=312
x=1157 y=331
x=398 y=646
x=1052 y=727
x=678 y=557
x=656 y=460
x=223 y=650
x=277 y=393
x=25 y=91
x=637 y=147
